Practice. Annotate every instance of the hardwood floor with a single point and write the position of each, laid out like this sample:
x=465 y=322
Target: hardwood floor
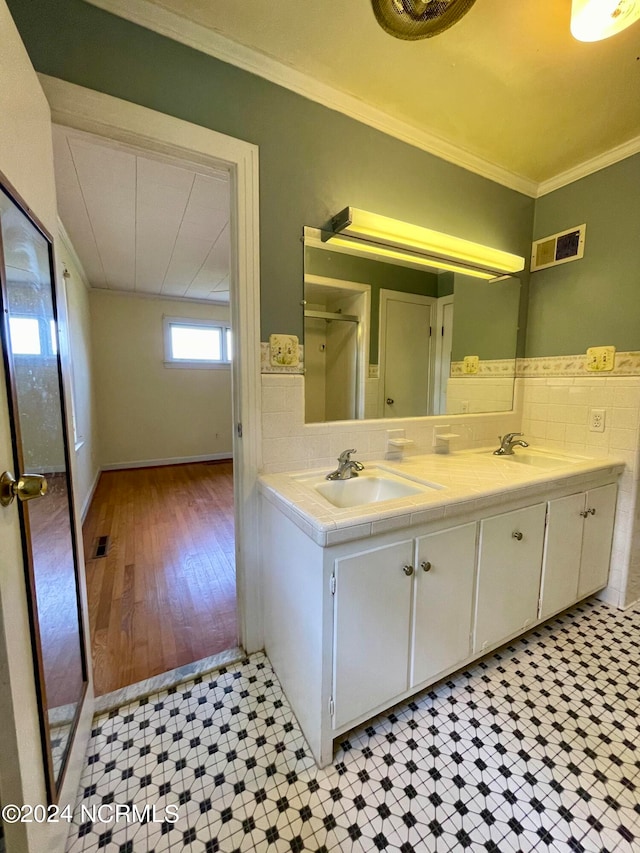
x=165 y=593
x=56 y=596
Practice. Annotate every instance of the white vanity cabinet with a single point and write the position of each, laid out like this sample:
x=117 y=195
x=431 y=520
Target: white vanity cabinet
x=402 y=614
x=577 y=547
x=509 y=567
x=360 y=623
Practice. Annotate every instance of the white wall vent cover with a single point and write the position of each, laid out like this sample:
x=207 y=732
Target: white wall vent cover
x=560 y=248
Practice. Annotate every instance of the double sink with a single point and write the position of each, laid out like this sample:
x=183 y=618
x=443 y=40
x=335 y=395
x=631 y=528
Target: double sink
x=376 y=484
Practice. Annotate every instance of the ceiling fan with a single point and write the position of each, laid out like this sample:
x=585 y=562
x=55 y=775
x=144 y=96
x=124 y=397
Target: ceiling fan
x=418 y=19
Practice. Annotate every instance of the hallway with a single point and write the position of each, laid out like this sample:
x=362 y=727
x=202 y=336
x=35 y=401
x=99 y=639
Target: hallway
x=533 y=749
x=164 y=594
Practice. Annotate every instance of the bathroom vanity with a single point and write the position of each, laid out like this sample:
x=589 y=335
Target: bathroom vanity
x=368 y=600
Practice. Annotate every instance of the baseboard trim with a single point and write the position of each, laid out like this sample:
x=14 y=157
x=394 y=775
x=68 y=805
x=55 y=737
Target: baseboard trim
x=173 y=460
x=87 y=501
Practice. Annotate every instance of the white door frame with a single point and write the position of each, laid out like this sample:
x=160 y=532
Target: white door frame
x=104 y=115
x=401 y=296
x=363 y=312
x=439 y=380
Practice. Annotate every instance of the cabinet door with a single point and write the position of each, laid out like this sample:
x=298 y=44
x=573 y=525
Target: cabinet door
x=509 y=567
x=371 y=629
x=445 y=578
x=562 y=553
x=596 y=540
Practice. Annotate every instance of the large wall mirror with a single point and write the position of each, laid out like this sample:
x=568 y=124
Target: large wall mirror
x=40 y=483
x=385 y=338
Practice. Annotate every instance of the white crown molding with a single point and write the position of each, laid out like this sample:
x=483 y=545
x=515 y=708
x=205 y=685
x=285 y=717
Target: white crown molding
x=182 y=30
x=595 y=164
x=164 y=297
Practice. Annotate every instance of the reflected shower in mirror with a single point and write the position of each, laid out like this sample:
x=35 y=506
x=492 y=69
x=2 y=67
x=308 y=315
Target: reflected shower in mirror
x=34 y=381
x=380 y=340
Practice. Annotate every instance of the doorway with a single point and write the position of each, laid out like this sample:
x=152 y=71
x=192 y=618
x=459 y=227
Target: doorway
x=245 y=455
x=336 y=341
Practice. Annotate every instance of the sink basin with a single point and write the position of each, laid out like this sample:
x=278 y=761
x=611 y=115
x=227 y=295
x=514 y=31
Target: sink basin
x=371 y=486
x=539 y=459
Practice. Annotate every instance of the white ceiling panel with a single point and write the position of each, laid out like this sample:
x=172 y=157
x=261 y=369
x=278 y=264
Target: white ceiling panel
x=210 y=193
x=139 y=223
x=187 y=259
x=204 y=224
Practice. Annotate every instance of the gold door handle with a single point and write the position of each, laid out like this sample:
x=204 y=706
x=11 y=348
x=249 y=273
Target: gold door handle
x=26 y=488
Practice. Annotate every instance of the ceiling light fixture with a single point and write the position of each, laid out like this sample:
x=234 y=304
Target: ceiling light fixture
x=418 y=19
x=593 y=20
x=395 y=239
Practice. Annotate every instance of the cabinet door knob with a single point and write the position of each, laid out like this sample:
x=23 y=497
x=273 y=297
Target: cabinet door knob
x=425 y=566
x=408 y=570
x=592 y=511
x=584 y=513
x=390 y=401
x=517 y=535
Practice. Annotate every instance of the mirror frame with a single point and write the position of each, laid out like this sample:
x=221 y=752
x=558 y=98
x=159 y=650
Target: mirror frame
x=53 y=783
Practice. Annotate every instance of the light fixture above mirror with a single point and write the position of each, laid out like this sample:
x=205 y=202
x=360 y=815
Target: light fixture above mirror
x=405 y=242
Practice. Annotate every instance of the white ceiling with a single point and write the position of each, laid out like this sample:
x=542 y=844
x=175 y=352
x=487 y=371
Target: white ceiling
x=507 y=84
x=143 y=224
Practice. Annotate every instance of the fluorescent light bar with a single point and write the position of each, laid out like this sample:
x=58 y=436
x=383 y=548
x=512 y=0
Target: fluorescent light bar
x=397 y=255
x=403 y=236
x=593 y=20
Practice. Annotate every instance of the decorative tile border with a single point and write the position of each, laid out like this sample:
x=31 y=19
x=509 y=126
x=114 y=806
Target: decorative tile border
x=626 y=364
x=267 y=367
x=502 y=367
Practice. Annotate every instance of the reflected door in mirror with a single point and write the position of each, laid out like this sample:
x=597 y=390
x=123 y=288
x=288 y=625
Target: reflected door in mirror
x=405 y=354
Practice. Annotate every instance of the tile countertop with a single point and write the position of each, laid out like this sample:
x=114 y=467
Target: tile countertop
x=469 y=480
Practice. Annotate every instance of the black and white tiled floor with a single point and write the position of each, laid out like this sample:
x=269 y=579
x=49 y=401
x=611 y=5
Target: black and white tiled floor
x=537 y=748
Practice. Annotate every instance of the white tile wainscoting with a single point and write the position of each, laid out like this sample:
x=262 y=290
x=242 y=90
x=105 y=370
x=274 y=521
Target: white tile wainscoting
x=555 y=412
x=289 y=444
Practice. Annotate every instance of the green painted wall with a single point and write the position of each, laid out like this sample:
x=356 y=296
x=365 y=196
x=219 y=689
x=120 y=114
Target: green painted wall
x=313 y=161
x=485 y=318
x=594 y=301
x=377 y=274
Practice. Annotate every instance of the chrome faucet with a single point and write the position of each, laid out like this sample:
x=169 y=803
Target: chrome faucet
x=508 y=442
x=347 y=467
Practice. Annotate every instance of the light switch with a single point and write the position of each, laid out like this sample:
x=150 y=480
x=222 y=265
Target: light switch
x=601 y=359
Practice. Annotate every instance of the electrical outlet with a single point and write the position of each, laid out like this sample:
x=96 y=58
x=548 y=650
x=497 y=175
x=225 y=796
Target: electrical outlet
x=597 y=420
x=471 y=364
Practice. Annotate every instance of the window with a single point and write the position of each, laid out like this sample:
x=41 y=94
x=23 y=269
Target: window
x=33 y=336
x=196 y=343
